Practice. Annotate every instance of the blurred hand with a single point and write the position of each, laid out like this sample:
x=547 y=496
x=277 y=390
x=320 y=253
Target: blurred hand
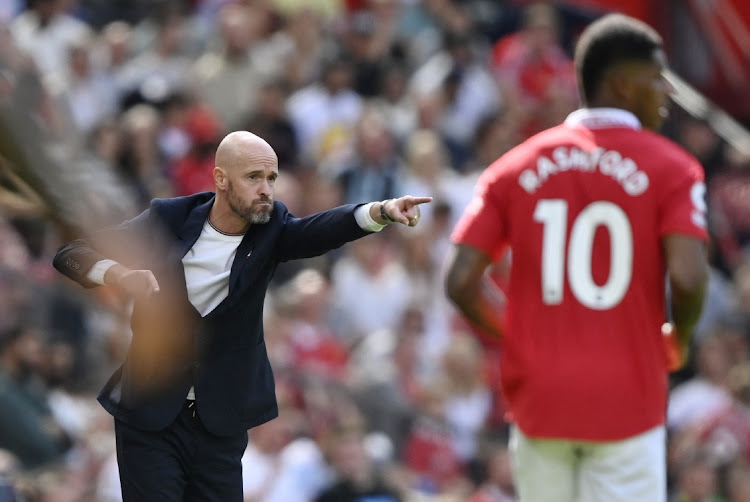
x=405 y=210
x=137 y=283
x=676 y=357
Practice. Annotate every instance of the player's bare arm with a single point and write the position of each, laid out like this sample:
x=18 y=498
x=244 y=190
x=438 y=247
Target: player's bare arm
x=470 y=289
x=688 y=273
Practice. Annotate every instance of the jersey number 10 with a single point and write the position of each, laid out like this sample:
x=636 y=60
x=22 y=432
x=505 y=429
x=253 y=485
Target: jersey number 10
x=553 y=214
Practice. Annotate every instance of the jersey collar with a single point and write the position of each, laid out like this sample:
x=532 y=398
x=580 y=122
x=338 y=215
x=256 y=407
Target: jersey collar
x=601 y=118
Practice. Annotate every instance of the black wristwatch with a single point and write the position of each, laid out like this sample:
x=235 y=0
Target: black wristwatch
x=383 y=214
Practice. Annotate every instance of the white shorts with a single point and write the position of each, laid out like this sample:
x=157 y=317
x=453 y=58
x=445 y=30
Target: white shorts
x=553 y=470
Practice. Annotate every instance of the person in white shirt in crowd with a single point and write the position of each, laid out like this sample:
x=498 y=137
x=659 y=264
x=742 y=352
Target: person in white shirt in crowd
x=323 y=110
x=46 y=31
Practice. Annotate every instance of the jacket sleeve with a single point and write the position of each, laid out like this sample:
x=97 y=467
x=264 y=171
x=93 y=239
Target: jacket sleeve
x=318 y=233
x=122 y=244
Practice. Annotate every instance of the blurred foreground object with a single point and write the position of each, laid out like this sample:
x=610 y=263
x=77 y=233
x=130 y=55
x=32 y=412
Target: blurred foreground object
x=700 y=107
x=38 y=155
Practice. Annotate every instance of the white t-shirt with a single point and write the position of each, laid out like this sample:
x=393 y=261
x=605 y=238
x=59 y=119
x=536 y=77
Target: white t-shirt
x=207 y=266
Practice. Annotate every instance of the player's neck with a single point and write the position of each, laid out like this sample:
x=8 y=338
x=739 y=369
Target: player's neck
x=607 y=103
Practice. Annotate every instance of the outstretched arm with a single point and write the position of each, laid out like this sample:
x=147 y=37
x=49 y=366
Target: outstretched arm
x=321 y=232
x=471 y=290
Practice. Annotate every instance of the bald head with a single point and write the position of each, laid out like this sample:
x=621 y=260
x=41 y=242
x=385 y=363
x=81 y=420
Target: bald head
x=240 y=148
x=245 y=173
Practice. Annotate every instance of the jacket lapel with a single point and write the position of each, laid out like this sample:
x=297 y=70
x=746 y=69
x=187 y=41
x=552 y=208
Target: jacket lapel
x=191 y=229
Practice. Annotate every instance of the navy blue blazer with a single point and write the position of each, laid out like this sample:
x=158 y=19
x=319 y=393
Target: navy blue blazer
x=222 y=355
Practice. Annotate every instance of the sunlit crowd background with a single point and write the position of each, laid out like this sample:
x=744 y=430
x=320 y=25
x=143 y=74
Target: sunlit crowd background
x=384 y=391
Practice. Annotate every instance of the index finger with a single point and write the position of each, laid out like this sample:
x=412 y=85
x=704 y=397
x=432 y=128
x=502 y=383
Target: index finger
x=418 y=200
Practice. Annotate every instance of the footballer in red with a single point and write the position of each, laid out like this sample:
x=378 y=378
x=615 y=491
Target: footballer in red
x=601 y=213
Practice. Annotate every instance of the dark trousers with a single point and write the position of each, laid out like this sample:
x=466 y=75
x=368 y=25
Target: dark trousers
x=182 y=463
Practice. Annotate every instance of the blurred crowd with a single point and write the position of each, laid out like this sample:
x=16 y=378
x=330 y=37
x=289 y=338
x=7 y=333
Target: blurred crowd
x=384 y=391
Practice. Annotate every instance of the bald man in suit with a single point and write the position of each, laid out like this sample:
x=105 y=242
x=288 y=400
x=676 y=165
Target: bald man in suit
x=197 y=375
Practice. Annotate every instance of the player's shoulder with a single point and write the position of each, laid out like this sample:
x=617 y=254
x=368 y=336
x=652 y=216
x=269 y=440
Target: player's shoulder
x=666 y=162
x=667 y=149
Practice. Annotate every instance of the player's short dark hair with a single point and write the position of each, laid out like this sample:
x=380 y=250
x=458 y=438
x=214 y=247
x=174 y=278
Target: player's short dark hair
x=608 y=41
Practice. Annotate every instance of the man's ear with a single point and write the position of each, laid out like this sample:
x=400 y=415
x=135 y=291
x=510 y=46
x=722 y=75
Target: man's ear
x=220 y=178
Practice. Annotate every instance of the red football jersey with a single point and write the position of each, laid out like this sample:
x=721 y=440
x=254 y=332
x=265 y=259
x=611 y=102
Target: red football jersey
x=583 y=207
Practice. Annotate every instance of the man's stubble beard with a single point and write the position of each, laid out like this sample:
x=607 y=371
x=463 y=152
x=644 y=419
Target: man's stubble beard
x=260 y=217
x=248 y=213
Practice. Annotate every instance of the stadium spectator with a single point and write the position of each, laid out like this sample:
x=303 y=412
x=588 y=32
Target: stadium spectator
x=395 y=103
x=373 y=169
x=738 y=483
x=193 y=172
x=160 y=70
x=316 y=351
x=228 y=79
x=46 y=31
x=730 y=210
x=387 y=373
x=356 y=474
x=301 y=473
x=260 y=462
x=270 y=120
x=495 y=135
x=724 y=436
x=424 y=277
x=535 y=73
x=498 y=479
x=455 y=93
x=141 y=163
x=86 y=95
x=300 y=49
x=371 y=37
x=428 y=168
x=28 y=429
x=698 y=482
x=468 y=400
x=369 y=274
x=720 y=305
x=693 y=401
x=324 y=111
x=434 y=466
x=114 y=50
